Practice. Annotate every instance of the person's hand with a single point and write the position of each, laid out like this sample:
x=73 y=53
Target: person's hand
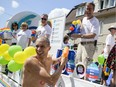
x=63 y=60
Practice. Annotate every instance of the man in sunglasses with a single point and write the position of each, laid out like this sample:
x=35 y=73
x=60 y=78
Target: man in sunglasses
x=44 y=29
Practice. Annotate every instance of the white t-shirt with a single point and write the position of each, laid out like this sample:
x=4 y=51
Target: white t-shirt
x=23 y=38
x=110 y=40
x=90 y=26
x=14 y=34
x=43 y=30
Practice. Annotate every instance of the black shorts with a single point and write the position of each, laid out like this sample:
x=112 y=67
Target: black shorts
x=103 y=76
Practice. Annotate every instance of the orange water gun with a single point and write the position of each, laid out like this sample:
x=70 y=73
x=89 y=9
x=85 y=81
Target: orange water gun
x=65 y=52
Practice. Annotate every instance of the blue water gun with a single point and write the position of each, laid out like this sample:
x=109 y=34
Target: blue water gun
x=75 y=27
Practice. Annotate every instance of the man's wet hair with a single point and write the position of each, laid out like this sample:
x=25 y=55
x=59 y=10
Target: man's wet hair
x=44 y=39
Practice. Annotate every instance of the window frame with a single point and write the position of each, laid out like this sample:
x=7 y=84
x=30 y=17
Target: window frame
x=106 y=4
x=101 y=27
x=80 y=11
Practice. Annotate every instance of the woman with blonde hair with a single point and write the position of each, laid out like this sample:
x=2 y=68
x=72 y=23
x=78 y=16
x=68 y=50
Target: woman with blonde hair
x=24 y=36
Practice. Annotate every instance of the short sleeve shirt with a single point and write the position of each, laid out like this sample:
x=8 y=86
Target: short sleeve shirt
x=44 y=30
x=110 y=40
x=23 y=38
x=90 y=26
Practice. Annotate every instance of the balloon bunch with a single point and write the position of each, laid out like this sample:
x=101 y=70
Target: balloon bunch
x=14 y=56
x=75 y=27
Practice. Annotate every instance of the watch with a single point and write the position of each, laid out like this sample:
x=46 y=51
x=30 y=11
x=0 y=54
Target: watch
x=82 y=36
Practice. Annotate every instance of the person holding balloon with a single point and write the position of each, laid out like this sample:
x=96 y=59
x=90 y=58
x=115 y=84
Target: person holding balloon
x=110 y=42
x=36 y=71
x=89 y=35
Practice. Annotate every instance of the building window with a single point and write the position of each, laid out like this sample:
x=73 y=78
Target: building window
x=103 y=4
x=101 y=27
x=83 y=10
x=112 y=2
x=106 y=4
x=80 y=11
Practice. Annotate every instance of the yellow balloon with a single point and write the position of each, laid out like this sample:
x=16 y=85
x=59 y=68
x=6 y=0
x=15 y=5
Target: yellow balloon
x=1 y=53
x=20 y=57
x=4 y=47
x=78 y=21
x=7 y=56
x=30 y=51
x=74 y=22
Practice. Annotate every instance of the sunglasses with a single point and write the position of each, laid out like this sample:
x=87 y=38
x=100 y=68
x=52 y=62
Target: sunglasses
x=14 y=25
x=43 y=19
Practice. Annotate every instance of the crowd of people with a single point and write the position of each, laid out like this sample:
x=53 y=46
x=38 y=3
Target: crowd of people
x=37 y=68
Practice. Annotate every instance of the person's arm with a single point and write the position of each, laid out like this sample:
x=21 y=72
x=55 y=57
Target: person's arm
x=108 y=43
x=49 y=31
x=56 y=60
x=29 y=42
x=58 y=72
x=86 y=36
x=29 y=37
x=108 y=49
x=41 y=73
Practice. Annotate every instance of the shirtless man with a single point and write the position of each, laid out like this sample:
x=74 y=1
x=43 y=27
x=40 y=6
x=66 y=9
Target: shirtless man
x=37 y=68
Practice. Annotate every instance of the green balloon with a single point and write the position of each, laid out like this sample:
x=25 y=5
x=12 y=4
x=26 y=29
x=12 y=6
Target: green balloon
x=101 y=59
x=3 y=61
x=13 y=66
x=13 y=49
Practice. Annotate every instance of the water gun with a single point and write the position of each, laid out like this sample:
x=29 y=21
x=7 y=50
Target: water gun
x=75 y=27
x=33 y=33
x=65 y=52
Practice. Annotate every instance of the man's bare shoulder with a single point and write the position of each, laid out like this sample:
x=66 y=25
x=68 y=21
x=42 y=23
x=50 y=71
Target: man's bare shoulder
x=31 y=62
